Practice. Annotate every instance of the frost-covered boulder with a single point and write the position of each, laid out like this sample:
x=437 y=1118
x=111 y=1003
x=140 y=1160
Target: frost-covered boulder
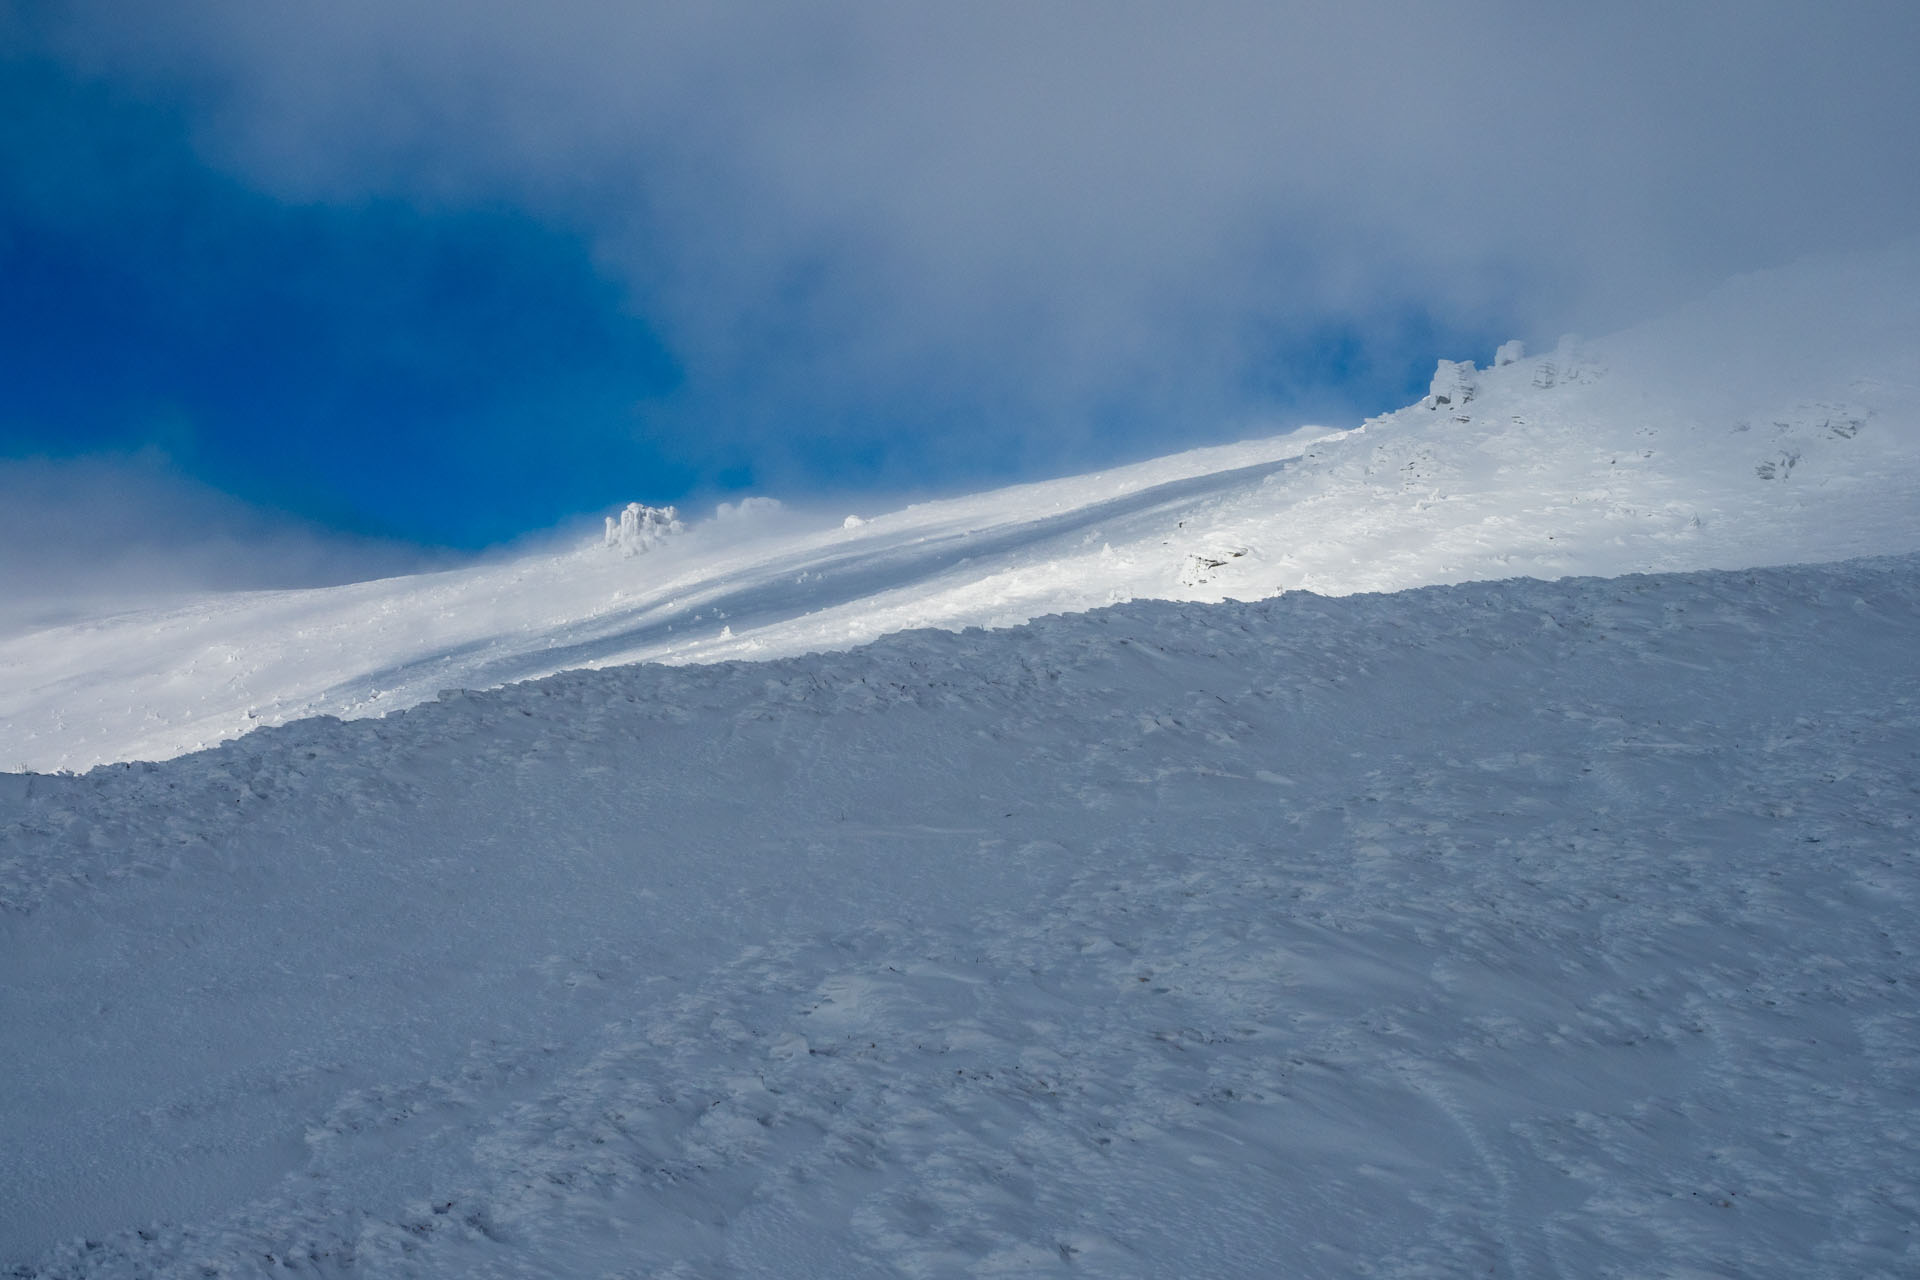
x=1510 y=352
x=1453 y=384
x=641 y=527
x=1203 y=567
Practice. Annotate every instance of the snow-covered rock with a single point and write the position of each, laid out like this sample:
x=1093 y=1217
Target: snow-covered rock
x=1453 y=384
x=641 y=527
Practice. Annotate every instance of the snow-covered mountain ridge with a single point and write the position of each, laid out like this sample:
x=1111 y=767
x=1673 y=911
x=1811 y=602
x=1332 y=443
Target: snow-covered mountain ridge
x=1524 y=927
x=1776 y=421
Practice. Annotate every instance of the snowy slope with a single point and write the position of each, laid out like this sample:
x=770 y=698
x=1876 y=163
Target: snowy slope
x=1525 y=929
x=1777 y=421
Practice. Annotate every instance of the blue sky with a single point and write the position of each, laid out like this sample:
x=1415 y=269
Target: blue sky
x=361 y=273
x=457 y=376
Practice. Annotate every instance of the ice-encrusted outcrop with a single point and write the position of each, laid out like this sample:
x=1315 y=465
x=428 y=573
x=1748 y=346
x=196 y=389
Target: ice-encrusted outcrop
x=1453 y=384
x=641 y=527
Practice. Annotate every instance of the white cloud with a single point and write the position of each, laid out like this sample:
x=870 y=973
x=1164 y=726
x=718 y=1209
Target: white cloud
x=111 y=531
x=1041 y=209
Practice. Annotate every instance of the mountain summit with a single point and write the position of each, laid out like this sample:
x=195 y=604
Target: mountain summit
x=1776 y=421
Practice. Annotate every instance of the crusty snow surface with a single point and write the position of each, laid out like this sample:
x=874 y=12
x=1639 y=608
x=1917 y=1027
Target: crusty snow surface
x=1523 y=928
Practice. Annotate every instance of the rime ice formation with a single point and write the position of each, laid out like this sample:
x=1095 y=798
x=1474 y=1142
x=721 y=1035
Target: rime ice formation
x=641 y=527
x=1453 y=384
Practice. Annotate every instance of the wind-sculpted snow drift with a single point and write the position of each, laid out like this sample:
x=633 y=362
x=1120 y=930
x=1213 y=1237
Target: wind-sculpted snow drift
x=1517 y=928
x=1775 y=422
